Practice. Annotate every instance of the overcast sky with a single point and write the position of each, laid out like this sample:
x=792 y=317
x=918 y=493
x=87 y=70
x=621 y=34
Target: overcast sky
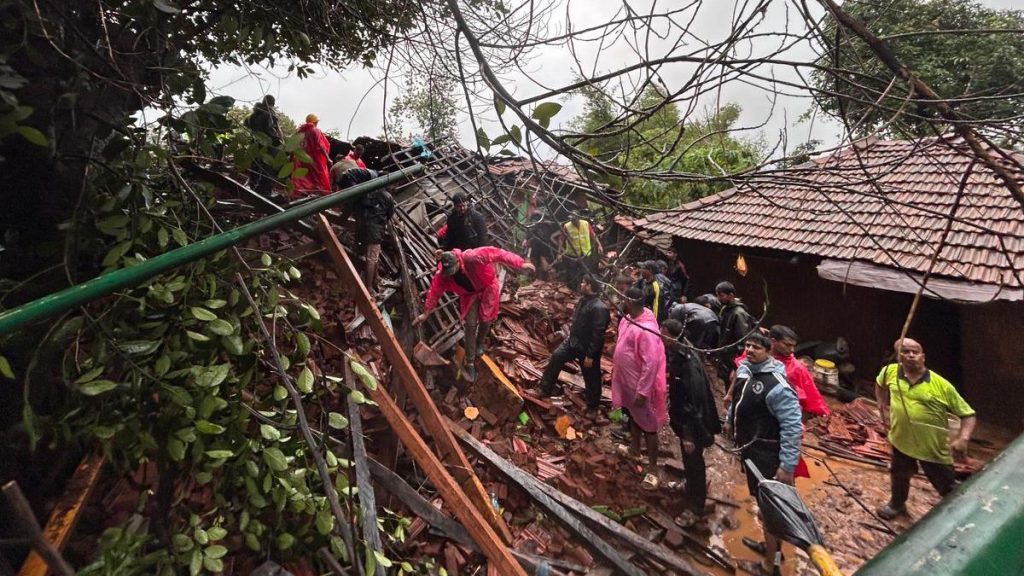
x=353 y=101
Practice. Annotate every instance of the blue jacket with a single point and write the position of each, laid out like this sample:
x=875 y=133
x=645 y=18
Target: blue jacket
x=783 y=405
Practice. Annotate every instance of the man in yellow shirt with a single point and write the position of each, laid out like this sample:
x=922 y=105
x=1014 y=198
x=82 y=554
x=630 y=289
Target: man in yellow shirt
x=914 y=403
x=578 y=255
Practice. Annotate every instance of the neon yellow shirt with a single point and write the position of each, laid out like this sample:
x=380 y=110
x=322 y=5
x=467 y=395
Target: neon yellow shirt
x=577 y=242
x=918 y=424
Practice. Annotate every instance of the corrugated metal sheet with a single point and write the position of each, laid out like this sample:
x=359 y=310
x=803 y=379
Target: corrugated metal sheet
x=885 y=202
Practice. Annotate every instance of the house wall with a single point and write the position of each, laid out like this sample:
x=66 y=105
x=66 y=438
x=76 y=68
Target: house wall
x=978 y=347
x=993 y=360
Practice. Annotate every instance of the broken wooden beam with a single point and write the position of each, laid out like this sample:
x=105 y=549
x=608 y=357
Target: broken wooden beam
x=443 y=441
x=490 y=543
x=65 y=515
x=656 y=551
x=531 y=486
x=367 y=501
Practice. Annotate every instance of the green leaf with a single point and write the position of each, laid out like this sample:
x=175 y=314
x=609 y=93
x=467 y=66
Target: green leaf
x=515 y=135
x=176 y=449
x=265 y=259
x=179 y=236
x=197 y=336
x=162 y=238
x=216 y=303
x=280 y=393
x=182 y=543
x=177 y=395
x=252 y=542
x=220 y=454
x=214 y=565
x=269 y=432
x=5 y=368
x=294 y=273
x=138 y=347
x=482 y=139
x=165 y=7
x=337 y=421
x=97 y=387
x=546 y=111
x=103 y=432
x=324 y=521
x=203 y=314
x=285 y=171
x=32 y=135
x=162 y=365
x=211 y=376
x=207 y=427
x=195 y=563
x=364 y=375
x=305 y=381
x=87 y=377
x=275 y=459
x=357 y=397
x=233 y=344
x=502 y=139
x=215 y=551
x=499 y=105
x=221 y=327
x=116 y=253
x=285 y=541
x=382 y=559
x=302 y=342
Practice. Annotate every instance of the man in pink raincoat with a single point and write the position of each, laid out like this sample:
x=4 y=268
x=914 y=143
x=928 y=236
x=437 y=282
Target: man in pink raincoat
x=317 y=179
x=470 y=274
x=638 y=379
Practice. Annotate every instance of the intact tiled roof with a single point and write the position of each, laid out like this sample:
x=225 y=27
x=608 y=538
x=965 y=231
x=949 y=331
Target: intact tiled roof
x=884 y=202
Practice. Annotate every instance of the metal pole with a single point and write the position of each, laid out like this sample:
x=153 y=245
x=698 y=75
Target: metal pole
x=109 y=283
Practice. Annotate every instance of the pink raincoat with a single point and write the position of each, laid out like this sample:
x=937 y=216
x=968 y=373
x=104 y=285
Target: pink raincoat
x=639 y=369
x=478 y=265
x=317 y=179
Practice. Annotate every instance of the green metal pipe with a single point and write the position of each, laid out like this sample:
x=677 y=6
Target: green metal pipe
x=109 y=283
x=978 y=530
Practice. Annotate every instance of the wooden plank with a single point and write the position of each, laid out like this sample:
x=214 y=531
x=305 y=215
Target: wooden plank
x=367 y=500
x=527 y=482
x=466 y=494
x=456 y=499
x=65 y=516
x=656 y=551
x=448 y=449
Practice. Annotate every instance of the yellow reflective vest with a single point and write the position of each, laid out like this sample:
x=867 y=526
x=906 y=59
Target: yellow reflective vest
x=577 y=242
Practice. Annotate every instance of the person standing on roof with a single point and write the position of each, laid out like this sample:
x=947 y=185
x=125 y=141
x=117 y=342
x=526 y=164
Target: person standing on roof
x=584 y=344
x=264 y=125
x=464 y=227
x=693 y=417
x=356 y=155
x=914 y=403
x=470 y=274
x=579 y=242
x=315 y=179
x=734 y=324
x=765 y=419
x=638 y=379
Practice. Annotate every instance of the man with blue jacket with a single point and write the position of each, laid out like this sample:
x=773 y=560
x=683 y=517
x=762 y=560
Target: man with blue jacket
x=766 y=422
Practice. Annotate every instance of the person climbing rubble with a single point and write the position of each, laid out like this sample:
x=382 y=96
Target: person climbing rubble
x=693 y=417
x=470 y=274
x=638 y=380
x=765 y=422
x=584 y=344
x=914 y=403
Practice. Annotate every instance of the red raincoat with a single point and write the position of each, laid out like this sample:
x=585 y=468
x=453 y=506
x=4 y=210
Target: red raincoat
x=317 y=180
x=478 y=265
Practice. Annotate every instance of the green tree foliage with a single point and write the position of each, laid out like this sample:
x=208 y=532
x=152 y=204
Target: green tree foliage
x=658 y=138
x=949 y=44
x=428 y=102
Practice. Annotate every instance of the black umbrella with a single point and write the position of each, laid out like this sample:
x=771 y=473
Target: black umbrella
x=786 y=516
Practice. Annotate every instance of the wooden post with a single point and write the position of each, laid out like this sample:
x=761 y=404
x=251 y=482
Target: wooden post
x=367 y=501
x=490 y=543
